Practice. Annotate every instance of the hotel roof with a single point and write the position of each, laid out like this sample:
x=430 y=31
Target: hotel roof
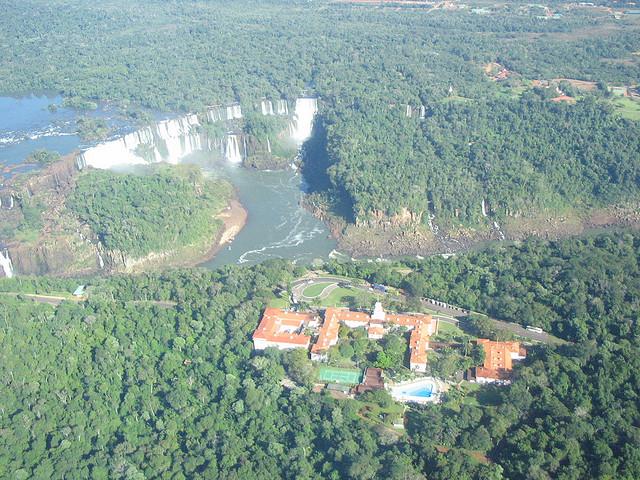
x=275 y=325
x=498 y=360
x=418 y=342
x=328 y=334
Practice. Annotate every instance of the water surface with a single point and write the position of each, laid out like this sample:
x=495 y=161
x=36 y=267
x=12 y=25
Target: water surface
x=277 y=226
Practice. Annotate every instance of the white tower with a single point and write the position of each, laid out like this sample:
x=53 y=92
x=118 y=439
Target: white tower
x=378 y=312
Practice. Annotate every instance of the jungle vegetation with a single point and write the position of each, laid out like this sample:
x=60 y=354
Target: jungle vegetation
x=479 y=141
x=154 y=376
x=156 y=210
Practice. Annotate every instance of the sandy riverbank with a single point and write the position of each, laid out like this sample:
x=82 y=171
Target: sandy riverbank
x=234 y=218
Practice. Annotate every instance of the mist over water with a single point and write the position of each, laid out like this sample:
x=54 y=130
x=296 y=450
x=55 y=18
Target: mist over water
x=277 y=226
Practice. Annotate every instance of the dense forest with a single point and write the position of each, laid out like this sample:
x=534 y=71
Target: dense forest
x=521 y=156
x=154 y=376
x=580 y=289
x=152 y=211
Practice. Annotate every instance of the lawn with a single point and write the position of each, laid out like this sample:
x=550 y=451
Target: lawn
x=348 y=297
x=627 y=108
x=316 y=289
x=279 y=303
x=449 y=330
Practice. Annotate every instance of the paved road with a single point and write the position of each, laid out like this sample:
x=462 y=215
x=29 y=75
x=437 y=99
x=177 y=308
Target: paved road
x=449 y=313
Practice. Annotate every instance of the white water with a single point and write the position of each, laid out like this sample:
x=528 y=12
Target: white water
x=484 y=208
x=267 y=107
x=432 y=226
x=234 y=112
x=172 y=140
x=100 y=261
x=302 y=123
x=409 y=111
x=232 y=149
x=168 y=141
x=423 y=112
x=500 y=232
x=282 y=107
x=5 y=264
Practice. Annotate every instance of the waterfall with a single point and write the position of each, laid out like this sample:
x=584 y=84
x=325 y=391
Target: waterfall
x=216 y=113
x=423 y=112
x=432 y=226
x=302 y=123
x=500 y=232
x=168 y=141
x=234 y=112
x=5 y=264
x=409 y=111
x=100 y=261
x=232 y=149
x=268 y=145
x=484 y=208
x=267 y=107
x=282 y=108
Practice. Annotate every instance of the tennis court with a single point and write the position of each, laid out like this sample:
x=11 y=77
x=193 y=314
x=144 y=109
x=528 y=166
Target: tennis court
x=346 y=376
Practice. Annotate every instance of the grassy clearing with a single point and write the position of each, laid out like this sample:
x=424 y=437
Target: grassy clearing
x=449 y=330
x=315 y=289
x=627 y=108
x=348 y=297
x=279 y=303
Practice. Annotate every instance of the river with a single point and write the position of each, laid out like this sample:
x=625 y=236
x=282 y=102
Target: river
x=277 y=226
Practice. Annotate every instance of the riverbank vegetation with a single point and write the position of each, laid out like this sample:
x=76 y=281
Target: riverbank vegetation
x=155 y=375
x=155 y=211
x=482 y=138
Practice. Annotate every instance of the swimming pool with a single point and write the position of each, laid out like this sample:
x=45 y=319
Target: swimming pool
x=419 y=391
x=424 y=390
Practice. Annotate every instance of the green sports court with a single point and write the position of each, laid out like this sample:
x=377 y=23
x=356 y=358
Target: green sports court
x=347 y=376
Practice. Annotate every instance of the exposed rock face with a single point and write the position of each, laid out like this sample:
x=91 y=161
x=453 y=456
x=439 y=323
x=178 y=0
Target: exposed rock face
x=58 y=256
x=380 y=219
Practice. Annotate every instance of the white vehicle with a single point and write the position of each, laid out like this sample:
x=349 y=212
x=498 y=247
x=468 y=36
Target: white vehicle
x=534 y=329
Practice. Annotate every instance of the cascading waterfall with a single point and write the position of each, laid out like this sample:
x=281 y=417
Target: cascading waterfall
x=302 y=123
x=423 y=112
x=216 y=113
x=168 y=140
x=5 y=264
x=282 y=107
x=501 y=234
x=267 y=107
x=234 y=112
x=484 y=208
x=409 y=111
x=172 y=140
x=232 y=149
